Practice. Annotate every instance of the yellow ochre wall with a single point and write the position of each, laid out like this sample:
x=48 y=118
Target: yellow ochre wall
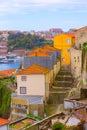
x=64 y=42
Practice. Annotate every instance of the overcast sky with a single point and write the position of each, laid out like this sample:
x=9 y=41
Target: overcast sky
x=26 y=15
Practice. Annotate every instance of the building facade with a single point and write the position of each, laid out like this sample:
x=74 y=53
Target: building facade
x=81 y=36
x=76 y=62
x=32 y=91
x=64 y=42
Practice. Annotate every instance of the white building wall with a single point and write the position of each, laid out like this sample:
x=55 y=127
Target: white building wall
x=35 y=84
x=4 y=127
x=68 y=104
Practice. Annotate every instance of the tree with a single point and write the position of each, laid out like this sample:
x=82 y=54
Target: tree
x=5 y=100
x=84 y=49
x=58 y=126
x=21 y=41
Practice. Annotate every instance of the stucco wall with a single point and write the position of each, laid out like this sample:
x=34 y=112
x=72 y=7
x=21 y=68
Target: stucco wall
x=4 y=127
x=58 y=66
x=55 y=70
x=35 y=84
x=60 y=42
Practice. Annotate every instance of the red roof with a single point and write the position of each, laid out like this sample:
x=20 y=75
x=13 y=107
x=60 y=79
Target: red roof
x=34 y=69
x=4 y=48
x=71 y=34
x=41 y=54
x=4 y=121
x=3 y=43
x=3 y=53
x=7 y=73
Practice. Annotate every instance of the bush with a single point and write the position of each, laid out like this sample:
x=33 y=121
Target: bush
x=58 y=126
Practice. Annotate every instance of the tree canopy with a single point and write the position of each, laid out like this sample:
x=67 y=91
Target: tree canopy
x=28 y=41
x=84 y=47
x=5 y=100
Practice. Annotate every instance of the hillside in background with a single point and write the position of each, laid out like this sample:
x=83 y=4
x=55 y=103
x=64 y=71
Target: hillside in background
x=26 y=41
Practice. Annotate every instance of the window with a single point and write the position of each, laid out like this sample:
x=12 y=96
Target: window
x=35 y=112
x=74 y=57
x=80 y=46
x=68 y=41
x=68 y=50
x=19 y=105
x=22 y=90
x=63 y=59
x=23 y=78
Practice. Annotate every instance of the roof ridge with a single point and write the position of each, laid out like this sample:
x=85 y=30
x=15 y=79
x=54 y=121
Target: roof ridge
x=34 y=69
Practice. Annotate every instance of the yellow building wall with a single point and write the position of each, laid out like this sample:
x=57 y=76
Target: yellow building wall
x=64 y=42
x=55 y=70
x=19 y=101
x=58 y=66
x=51 y=77
x=48 y=77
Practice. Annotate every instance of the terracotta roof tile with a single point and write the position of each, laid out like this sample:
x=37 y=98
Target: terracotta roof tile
x=71 y=34
x=6 y=73
x=4 y=121
x=42 y=54
x=3 y=43
x=36 y=49
x=50 y=47
x=33 y=69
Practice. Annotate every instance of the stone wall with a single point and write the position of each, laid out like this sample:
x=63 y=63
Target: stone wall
x=81 y=36
x=76 y=62
x=38 y=107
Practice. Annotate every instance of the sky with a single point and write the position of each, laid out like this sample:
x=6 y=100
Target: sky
x=27 y=15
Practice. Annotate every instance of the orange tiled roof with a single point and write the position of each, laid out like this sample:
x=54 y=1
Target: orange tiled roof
x=6 y=73
x=49 y=47
x=39 y=53
x=71 y=34
x=48 y=50
x=67 y=34
x=36 y=49
x=3 y=43
x=33 y=69
x=4 y=121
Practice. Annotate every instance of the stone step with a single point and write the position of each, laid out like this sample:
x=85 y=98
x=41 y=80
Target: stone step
x=62 y=84
x=63 y=79
x=60 y=92
x=64 y=76
x=59 y=88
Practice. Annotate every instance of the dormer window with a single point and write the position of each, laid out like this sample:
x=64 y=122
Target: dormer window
x=23 y=78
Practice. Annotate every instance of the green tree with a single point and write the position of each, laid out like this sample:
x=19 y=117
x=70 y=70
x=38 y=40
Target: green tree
x=84 y=68
x=58 y=126
x=5 y=100
x=21 y=41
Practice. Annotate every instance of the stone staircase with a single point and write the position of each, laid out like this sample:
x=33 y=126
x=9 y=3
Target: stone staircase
x=62 y=84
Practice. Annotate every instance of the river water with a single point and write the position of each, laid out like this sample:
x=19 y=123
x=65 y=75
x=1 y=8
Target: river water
x=9 y=66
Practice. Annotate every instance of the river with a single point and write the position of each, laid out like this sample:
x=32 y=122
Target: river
x=9 y=66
